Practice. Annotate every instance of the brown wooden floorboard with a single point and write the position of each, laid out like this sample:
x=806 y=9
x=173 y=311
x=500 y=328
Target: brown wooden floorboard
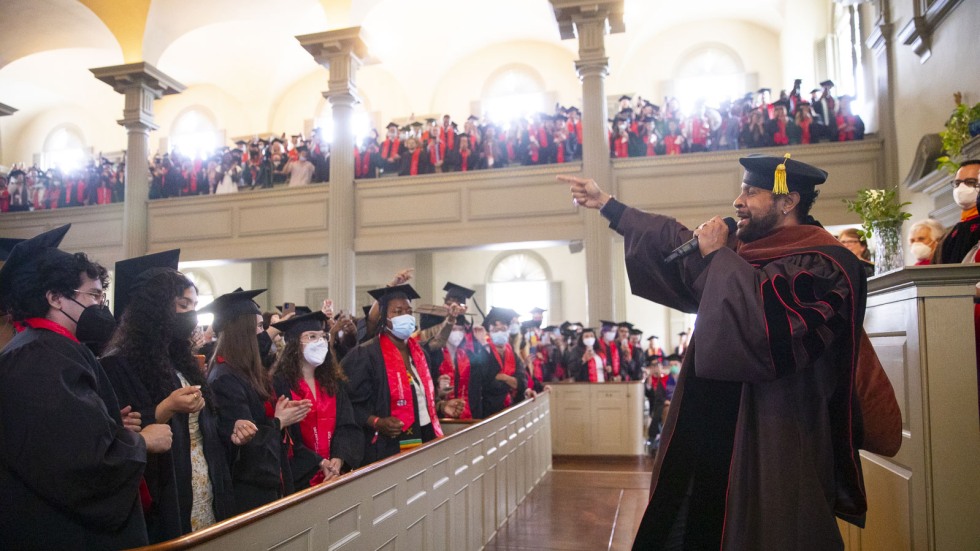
x=582 y=503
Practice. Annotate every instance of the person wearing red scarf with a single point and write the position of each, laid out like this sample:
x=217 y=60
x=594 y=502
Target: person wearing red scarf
x=498 y=379
x=464 y=158
x=780 y=309
x=71 y=458
x=587 y=363
x=327 y=441
x=413 y=161
x=391 y=387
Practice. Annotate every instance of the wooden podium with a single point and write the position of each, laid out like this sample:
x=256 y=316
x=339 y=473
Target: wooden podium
x=927 y=497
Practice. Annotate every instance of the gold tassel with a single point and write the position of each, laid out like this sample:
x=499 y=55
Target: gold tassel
x=779 y=185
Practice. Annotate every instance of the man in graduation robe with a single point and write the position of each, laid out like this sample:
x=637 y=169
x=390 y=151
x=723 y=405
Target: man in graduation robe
x=760 y=446
x=965 y=234
x=500 y=379
x=70 y=468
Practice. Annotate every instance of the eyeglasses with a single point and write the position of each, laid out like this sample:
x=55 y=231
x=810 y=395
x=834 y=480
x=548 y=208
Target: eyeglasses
x=849 y=241
x=312 y=339
x=972 y=182
x=100 y=296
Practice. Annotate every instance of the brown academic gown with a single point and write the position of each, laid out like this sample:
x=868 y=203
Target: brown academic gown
x=760 y=446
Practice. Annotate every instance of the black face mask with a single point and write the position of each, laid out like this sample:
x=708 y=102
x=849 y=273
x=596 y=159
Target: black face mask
x=95 y=327
x=265 y=343
x=184 y=325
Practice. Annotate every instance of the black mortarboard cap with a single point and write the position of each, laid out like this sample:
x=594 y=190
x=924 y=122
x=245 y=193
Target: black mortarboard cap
x=673 y=358
x=390 y=124
x=15 y=173
x=22 y=263
x=607 y=323
x=625 y=324
x=231 y=305
x=405 y=290
x=682 y=333
x=635 y=331
x=472 y=118
x=815 y=90
x=240 y=142
x=498 y=314
x=625 y=97
x=297 y=325
x=587 y=329
x=550 y=328
x=573 y=109
x=763 y=90
x=430 y=120
x=416 y=124
x=300 y=310
x=537 y=310
x=7 y=244
x=781 y=175
x=827 y=82
x=133 y=273
x=458 y=291
x=651 y=337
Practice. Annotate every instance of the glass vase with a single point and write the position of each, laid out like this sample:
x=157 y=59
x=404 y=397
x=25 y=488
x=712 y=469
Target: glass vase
x=887 y=240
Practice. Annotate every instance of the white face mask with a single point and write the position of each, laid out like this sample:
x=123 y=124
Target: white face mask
x=456 y=337
x=609 y=336
x=965 y=196
x=920 y=251
x=316 y=352
x=499 y=338
x=589 y=341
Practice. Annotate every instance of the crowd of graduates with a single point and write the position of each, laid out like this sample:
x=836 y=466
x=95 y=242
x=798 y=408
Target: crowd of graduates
x=30 y=188
x=135 y=424
x=643 y=129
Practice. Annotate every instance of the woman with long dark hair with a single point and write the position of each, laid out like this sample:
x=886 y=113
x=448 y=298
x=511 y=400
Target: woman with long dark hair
x=586 y=361
x=151 y=367
x=327 y=441
x=243 y=390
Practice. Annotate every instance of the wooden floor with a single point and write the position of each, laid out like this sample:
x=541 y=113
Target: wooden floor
x=582 y=503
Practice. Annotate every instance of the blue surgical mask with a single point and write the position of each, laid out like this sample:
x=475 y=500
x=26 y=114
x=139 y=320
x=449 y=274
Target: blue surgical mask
x=402 y=326
x=499 y=338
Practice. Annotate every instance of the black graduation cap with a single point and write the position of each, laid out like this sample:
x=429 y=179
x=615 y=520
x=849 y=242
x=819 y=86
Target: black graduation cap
x=133 y=273
x=472 y=118
x=827 y=83
x=416 y=124
x=537 y=310
x=302 y=149
x=573 y=109
x=498 y=314
x=15 y=173
x=236 y=152
x=405 y=290
x=7 y=244
x=390 y=124
x=550 y=329
x=458 y=292
x=764 y=90
x=300 y=310
x=781 y=175
x=607 y=323
x=241 y=142
x=625 y=324
x=815 y=90
x=22 y=263
x=295 y=135
x=231 y=305
x=651 y=337
x=682 y=333
x=430 y=120
x=589 y=329
x=673 y=358
x=276 y=140
x=625 y=97
x=297 y=325
x=782 y=102
x=431 y=315
x=635 y=331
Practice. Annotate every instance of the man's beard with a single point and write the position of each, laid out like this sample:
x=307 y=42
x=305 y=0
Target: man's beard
x=759 y=226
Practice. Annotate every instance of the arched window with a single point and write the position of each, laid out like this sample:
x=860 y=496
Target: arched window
x=205 y=293
x=520 y=281
x=710 y=73
x=513 y=92
x=194 y=134
x=64 y=149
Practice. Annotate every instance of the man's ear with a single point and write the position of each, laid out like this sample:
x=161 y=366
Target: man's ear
x=789 y=202
x=54 y=299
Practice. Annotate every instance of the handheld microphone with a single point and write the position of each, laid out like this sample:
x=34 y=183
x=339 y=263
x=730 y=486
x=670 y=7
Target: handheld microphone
x=692 y=245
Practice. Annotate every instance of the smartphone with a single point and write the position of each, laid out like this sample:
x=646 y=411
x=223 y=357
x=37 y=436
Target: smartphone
x=288 y=308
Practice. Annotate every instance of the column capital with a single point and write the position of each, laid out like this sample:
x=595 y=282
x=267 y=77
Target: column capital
x=342 y=97
x=6 y=110
x=342 y=52
x=141 y=83
x=589 y=22
x=593 y=67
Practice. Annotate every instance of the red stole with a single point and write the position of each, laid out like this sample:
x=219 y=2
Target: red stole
x=464 y=155
x=389 y=149
x=459 y=373
x=805 y=128
x=80 y=192
x=780 y=137
x=318 y=427
x=508 y=366
x=561 y=151
x=104 y=195
x=671 y=145
x=69 y=191
x=402 y=400
x=414 y=164
x=622 y=148
x=542 y=135
x=447 y=139
x=699 y=133
x=593 y=372
x=534 y=150
x=4 y=200
x=845 y=135
x=44 y=323
x=651 y=150
x=660 y=381
x=614 y=357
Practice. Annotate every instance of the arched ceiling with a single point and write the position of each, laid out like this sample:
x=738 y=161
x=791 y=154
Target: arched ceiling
x=32 y=26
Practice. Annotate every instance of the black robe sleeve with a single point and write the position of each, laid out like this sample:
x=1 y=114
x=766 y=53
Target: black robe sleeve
x=66 y=460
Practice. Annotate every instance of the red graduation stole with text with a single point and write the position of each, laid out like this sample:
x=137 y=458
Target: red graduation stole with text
x=318 y=427
x=508 y=366
x=401 y=397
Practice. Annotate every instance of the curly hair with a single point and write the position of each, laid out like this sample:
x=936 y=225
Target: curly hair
x=328 y=374
x=145 y=336
x=60 y=274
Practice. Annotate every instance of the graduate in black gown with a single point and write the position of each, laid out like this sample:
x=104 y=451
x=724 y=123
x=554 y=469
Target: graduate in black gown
x=244 y=395
x=498 y=378
x=327 y=441
x=391 y=387
x=150 y=365
x=70 y=460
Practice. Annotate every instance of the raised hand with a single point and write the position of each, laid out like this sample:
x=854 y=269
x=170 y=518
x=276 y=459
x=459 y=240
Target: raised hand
x=585 y=192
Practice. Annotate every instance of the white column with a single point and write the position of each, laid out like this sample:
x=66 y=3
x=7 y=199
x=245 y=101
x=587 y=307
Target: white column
x=141 y=84
x=590 y=24
x=342 y=52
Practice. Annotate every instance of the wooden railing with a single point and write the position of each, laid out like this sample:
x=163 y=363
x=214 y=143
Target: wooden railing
x=453 y=493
